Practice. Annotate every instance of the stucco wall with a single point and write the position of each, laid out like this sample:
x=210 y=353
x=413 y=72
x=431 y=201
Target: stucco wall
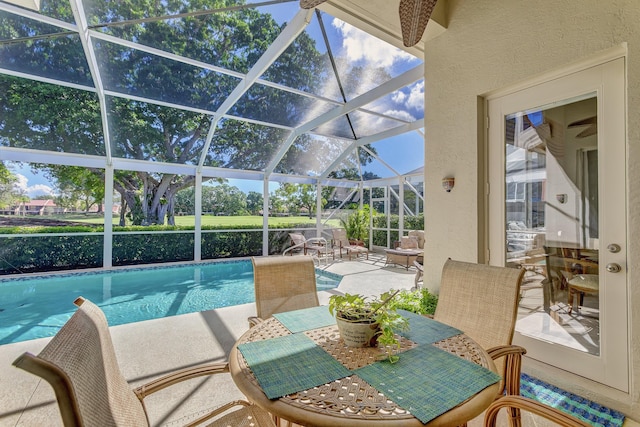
x=491 y=44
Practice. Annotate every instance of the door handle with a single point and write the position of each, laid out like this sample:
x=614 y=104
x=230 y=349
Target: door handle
x=612 y=267
x=614 y=248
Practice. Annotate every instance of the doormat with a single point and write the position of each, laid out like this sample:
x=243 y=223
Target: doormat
x=584 y=409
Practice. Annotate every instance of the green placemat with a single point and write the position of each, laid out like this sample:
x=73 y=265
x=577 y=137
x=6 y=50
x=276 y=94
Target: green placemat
x=306 y=318
x=428 y=381
x=288 y=364
x=423 y=330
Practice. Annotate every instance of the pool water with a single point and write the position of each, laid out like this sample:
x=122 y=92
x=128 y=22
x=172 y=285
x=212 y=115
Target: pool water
x=37 y=307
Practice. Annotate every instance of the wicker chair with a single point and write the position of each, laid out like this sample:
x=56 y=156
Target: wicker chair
x=80 y=364
x=283 y=284
x=482 y=301
x=340 y=238
x=532 y=406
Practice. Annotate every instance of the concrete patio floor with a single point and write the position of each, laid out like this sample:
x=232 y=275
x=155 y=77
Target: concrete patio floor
x=148 y=349
x=151 y=348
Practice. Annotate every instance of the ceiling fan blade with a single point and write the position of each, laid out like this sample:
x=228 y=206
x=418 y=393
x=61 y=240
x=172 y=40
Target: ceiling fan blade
x=414 y=16
x=591 y=130
x=585 y=122
x=310 y=4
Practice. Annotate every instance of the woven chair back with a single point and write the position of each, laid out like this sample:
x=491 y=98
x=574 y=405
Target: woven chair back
x=297 y=238
x=481 y=301
x=284 y=284
x=340 y=235
x=80 y=364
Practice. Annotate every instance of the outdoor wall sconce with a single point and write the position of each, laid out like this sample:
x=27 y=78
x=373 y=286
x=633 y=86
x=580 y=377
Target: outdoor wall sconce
x=448 y=183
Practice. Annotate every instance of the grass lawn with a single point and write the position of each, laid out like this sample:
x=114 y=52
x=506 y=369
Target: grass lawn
x=250 y=220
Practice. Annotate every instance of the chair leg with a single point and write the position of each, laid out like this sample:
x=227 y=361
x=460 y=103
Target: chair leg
x=570 y=300
x=514 y=417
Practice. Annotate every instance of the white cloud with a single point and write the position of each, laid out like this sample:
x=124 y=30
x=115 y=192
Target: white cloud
x=404 y=101
x=416 y=96
x=34 y=190
x=359 y=45
x=399 y=97
x=414 y=99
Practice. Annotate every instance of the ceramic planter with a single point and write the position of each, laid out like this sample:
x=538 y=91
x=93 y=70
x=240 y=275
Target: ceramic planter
x=358 y=334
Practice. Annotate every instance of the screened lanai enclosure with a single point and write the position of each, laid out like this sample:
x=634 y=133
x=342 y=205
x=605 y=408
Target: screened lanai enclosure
x=167 y=115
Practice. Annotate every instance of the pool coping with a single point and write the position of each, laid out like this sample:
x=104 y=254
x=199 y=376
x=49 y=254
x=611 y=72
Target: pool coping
x=128 y=268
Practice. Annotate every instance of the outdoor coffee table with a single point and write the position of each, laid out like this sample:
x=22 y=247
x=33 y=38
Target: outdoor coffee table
x=403 y=257
x=426 y=372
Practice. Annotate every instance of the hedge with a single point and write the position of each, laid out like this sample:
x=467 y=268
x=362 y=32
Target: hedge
x=43 y=253
x=53 y=253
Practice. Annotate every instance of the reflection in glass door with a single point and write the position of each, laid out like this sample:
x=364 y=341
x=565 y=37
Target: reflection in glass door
x=557 y=209
x=551 y=208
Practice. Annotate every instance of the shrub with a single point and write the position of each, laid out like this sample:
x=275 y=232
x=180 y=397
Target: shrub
x=419 y=301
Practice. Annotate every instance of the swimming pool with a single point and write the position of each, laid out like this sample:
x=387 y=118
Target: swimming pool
x=36 y=307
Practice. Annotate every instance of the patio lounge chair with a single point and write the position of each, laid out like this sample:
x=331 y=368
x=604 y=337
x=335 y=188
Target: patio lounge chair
x=282 y=284
x=532 y=406
x=314 y=245
x=80 y=364
x=342 y=241
x=482 y=301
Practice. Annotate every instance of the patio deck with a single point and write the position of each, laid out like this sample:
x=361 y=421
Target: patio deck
x=152 y=348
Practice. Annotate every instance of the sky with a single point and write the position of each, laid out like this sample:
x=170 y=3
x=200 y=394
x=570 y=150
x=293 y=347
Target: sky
x=404 y=153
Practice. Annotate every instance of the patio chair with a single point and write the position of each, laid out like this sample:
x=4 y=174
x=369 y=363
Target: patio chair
x=314 y=245
x=80 y=364
x=419 y=274
x=482 y=301
x=283 y=284
x=582 y=278
x=340 y=238
x=532 y=406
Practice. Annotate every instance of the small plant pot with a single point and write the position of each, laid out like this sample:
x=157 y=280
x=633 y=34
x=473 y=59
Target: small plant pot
x=358 y=334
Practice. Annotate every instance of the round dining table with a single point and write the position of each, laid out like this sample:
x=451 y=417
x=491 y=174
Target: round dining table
x=351 y=401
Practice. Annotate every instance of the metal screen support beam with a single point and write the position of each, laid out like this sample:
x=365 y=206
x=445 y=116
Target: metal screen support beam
x=107 y=244
x=371 y=139
x=85 y=39
x=400 y=207
x=319 y=210
x=197 y=235
x=392 y=85
x=265 y=217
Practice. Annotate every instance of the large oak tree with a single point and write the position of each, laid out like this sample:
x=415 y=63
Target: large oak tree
x=49 y=117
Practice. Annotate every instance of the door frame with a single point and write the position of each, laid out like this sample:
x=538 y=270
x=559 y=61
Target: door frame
x=611 y=367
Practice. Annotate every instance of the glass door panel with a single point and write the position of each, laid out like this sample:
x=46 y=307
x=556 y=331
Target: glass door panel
x=551 y=207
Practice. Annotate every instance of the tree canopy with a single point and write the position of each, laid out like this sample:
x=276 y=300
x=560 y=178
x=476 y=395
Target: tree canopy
x=45 y=116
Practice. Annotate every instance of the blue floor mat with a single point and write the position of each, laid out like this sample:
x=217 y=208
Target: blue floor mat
x=584 y=409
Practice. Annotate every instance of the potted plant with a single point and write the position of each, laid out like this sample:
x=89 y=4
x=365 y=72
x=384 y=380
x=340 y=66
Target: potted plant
x=364 y=322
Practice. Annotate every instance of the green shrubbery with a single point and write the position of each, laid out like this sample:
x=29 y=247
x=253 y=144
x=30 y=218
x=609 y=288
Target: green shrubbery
x=411 y=222
x=419 y=301
x=140 y=245
x=51 y=253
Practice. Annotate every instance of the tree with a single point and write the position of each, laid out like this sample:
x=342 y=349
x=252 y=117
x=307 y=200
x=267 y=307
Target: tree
x=255 y=202
x=184 y=201
x=9 y=195
x=297 y=196
x=76 y=186
x=305 y=196
x=43 y=116
x=224 y=199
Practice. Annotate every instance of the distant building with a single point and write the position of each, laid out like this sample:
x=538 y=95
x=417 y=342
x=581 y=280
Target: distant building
x=38 y=207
